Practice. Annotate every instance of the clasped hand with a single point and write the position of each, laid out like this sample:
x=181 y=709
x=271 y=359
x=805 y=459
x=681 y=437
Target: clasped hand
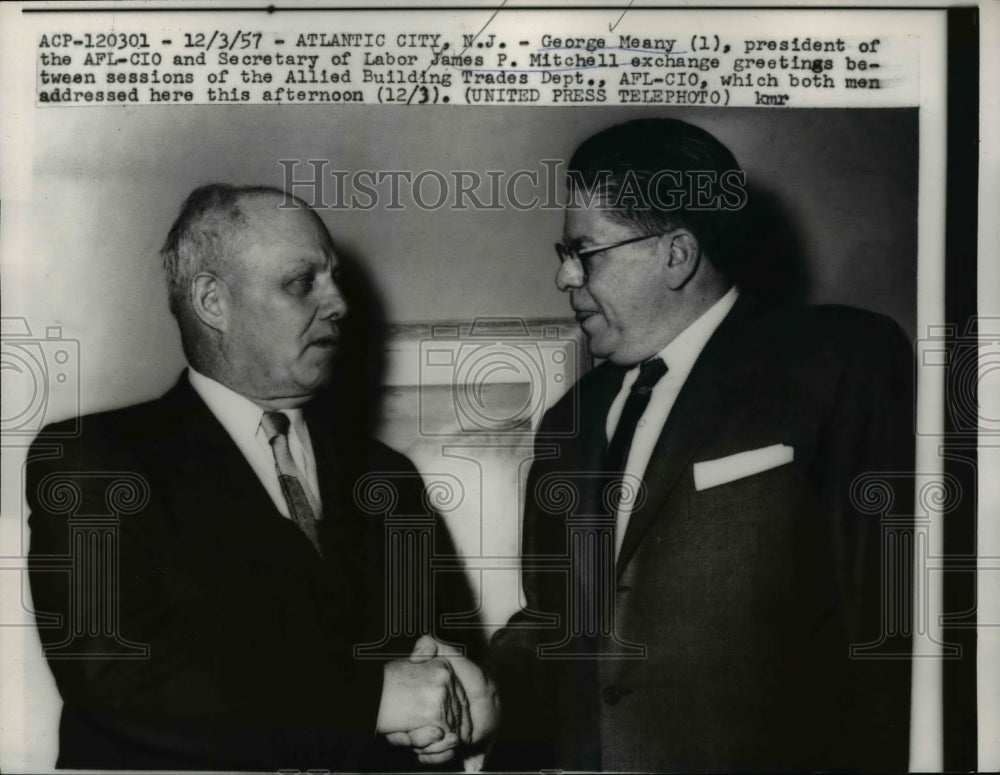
x=437 y=702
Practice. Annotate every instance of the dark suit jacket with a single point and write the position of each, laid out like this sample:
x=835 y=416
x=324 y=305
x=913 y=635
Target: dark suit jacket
x=747 y=596
x=226 y=641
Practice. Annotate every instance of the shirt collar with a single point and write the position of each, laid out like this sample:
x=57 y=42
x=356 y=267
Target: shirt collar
x=237 y=413
x=682 y=352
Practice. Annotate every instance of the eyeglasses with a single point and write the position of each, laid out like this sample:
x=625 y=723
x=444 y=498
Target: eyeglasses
x=565 y=252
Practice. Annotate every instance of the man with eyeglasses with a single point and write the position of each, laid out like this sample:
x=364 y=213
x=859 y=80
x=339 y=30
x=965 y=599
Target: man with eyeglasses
x=723 y=608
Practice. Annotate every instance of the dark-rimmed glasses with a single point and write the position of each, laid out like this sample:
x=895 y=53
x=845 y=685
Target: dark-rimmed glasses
x=565 y=252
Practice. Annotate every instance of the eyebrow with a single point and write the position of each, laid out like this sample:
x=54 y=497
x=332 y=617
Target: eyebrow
x=303 y=262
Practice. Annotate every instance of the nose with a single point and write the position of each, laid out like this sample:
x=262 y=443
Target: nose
x=332 y=304
x=570 y=275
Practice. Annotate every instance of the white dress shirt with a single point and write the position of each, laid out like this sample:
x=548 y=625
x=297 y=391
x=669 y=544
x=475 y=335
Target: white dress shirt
x=680 y=356
x=241 y=418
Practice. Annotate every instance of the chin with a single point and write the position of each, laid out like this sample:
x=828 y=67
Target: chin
x=312 y=386
x=599 y=347
x=314 y=372
x=321 y=378
x=609 y=352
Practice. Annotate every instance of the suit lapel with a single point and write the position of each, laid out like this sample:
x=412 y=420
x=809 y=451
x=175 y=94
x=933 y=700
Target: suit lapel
x=332 y=471
x=215 y=484
x=594 y=438
x=212 y=468
x=349 y=537
x=708 y=395
x=590 y=446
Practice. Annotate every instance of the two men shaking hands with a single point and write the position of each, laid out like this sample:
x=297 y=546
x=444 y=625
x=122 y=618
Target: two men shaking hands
x=462 y=717
x=247 y=574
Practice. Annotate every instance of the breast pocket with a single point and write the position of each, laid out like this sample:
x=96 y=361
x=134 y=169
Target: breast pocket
x=725 y=485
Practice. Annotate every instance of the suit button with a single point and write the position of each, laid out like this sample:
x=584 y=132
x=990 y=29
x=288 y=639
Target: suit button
x=611 y=694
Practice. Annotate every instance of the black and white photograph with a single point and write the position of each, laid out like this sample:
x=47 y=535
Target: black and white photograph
x=484 y=388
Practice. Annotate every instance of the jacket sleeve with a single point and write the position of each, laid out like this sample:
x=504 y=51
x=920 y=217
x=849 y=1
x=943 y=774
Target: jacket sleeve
x=869 y=482
x=524 y=738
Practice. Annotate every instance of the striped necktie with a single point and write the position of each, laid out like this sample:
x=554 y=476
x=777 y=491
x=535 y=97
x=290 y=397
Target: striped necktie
x=303 y=507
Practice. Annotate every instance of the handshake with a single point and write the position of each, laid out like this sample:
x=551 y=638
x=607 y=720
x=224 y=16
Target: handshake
x=437 y=703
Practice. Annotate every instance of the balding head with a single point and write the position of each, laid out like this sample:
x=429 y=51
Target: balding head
x=251 y=274
x=206 y=234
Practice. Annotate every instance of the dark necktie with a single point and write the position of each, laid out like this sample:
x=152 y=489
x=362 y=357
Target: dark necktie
x=638 y=399
x=302 y=508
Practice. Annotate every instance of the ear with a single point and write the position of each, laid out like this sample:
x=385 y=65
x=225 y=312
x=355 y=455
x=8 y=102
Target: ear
x=208 y=300
x=683 y=257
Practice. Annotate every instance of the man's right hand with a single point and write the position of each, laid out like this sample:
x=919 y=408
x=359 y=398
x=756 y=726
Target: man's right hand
x=423 y=694
x=431 y=745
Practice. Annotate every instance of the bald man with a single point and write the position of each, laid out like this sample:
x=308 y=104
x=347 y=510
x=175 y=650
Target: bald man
x=214 y=624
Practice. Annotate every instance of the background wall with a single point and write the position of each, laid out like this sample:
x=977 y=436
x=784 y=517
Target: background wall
x=108 y=183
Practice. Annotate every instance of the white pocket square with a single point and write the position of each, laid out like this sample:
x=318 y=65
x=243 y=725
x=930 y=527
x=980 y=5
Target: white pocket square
x=712 y=473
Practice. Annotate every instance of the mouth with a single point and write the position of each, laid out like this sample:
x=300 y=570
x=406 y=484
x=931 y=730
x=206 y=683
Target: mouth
x=582 y=315
x=325 y=342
